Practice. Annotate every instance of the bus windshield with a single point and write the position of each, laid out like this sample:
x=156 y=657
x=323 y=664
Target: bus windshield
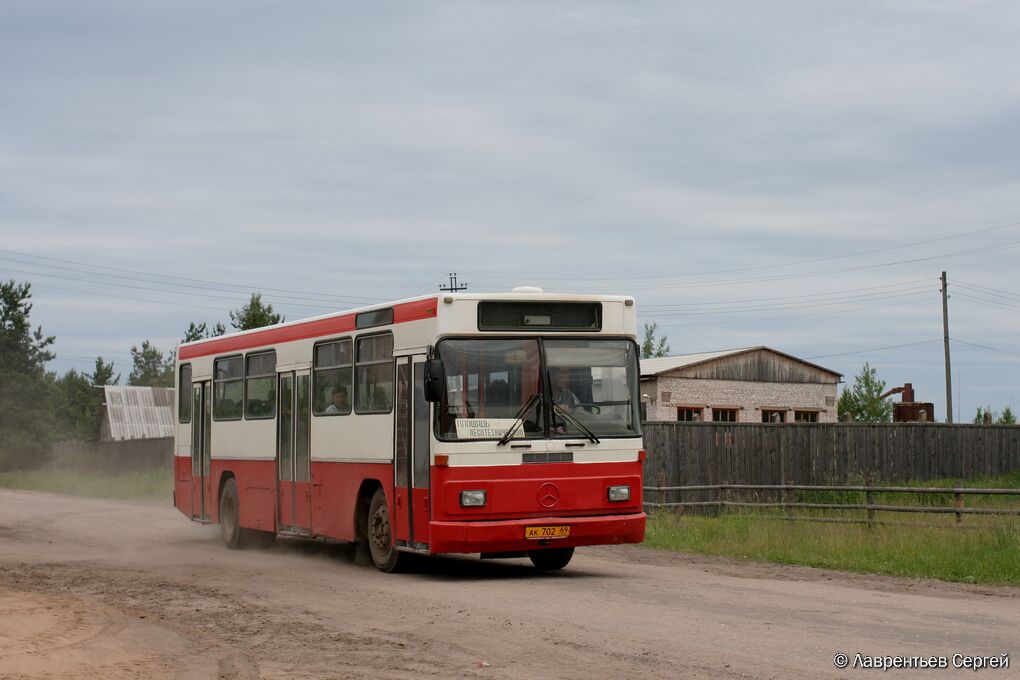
x=591 y=382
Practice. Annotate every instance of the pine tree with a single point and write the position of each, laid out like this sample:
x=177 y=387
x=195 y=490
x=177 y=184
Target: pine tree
x=103 y=374
x=862 y=400
x=151 y=368
x=76 y=407
x=255 y=314
x=200 y=331
x=983 y=414
x=652 y=348
x=26 y=420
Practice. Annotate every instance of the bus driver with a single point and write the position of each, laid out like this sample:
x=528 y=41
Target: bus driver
x=559 y=378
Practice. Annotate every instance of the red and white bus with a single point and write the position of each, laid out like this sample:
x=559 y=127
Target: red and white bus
x=500 y=424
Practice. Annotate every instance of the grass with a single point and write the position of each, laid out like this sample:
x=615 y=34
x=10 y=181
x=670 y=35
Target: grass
x=155 y=485
x=1006 y=481
x=987 y=551
x=990 y=554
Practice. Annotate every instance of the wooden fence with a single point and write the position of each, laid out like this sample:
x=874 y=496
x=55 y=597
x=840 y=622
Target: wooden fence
x=684 y=454
x=785 y=500
x=139 y=455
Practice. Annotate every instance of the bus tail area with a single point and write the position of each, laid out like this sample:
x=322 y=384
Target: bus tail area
x=435 y=425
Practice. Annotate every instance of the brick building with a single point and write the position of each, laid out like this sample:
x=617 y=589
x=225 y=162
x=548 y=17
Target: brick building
x=749 y=385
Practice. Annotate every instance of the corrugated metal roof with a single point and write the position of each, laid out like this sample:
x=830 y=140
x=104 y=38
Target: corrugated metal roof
x=653 y=367
x=137 y=413
x=650 y=367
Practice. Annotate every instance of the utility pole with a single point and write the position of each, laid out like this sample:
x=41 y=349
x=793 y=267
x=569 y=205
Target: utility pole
x=453 y=287
x=945 y=334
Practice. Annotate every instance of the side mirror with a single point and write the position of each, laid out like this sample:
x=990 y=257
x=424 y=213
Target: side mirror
x=435 y=380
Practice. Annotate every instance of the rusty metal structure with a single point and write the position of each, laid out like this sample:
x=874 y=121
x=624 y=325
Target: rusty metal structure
x=907 y=410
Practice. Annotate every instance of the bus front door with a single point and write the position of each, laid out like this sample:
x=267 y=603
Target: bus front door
x=411 y=454
x=200 y=438
x=293 y=467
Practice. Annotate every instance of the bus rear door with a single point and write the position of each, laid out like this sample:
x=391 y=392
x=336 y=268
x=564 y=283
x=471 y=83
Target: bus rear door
x=294 y=492
x=201 y=497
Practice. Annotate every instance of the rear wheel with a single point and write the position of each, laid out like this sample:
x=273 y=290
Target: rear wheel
x=230 y=516
x=551 y=559
x=385 y=555
x=258 y=539
x=230 y=522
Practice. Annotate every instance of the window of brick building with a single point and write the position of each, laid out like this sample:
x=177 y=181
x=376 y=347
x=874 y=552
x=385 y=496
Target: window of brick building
x=805 y=416
x=773 y=416
x=689 y=414
x=724 y=415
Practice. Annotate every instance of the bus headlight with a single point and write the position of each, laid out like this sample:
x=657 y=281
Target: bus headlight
x=620 y=493
x=473 y=499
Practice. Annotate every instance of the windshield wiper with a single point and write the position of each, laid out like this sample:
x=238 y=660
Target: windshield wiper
x=519 y=419
x=576 y=423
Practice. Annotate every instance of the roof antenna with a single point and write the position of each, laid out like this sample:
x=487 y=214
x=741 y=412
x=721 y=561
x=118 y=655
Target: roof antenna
x=453 y=287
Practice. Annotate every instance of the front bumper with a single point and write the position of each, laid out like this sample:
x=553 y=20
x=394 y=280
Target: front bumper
x=508 y=535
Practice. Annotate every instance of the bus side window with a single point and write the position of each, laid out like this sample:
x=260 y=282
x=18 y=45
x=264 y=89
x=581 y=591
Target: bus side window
x=373 y=373
x=228 y=388
x=332 y=378
x=184 y=394
x=260 y=385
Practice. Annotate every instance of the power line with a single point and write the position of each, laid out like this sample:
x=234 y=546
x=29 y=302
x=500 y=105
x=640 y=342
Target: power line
x=785 y=317
x=126 y=297
x=771 y=308
x=874 y=349
x=179 y=281
x=776 y=266
x=991 y=303
x=827 y=272
x=834 y=301
x=989 y=291
x=235 y=300
x=986 y=347
x=901 y=284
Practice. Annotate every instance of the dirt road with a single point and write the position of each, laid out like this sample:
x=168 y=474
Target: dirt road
x=103 y=589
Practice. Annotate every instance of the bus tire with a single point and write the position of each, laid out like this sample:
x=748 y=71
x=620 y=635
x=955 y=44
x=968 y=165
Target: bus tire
x=263 y=540
x=230 y=516
x=385 y=555
x=551 y=559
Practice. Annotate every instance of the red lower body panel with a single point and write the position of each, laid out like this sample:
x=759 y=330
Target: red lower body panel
x=508 y=535
x=296 y=505
x=256 y=490
x=335 y=488
x=182 y=484
x=519 y=496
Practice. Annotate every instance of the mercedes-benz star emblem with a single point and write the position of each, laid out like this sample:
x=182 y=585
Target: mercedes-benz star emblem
x=548 y=495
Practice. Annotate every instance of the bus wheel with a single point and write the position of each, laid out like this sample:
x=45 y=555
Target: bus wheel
x=551 y=559
x=385 y=555
x=230 y=516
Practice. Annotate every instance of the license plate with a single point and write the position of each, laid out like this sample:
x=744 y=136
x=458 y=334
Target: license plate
x=537 y=533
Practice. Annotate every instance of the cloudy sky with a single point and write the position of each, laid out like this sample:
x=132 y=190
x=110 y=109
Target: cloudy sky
x=794 y=174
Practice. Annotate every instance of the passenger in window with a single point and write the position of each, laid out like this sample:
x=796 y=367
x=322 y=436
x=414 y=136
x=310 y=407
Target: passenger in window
x=339 y=404
x=380 y=399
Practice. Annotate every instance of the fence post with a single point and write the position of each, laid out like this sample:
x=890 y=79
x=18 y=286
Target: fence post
x=959 y=502
x=789 y=509
x=662 y=496
x=869 y=500
x=723 y=497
